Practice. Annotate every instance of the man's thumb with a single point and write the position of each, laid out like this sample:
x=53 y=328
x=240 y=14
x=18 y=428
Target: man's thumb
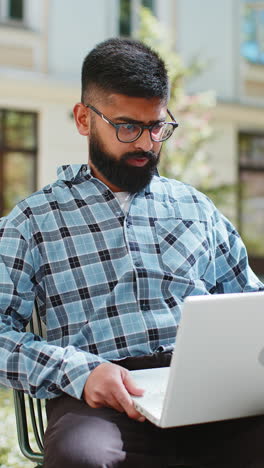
x=131 y=386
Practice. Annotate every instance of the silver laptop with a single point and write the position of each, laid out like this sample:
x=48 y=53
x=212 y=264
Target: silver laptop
x=217 y=369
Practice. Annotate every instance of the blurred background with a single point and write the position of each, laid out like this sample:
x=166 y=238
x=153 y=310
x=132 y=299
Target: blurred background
x=215 y=53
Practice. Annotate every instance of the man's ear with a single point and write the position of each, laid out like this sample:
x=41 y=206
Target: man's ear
x=82 y=118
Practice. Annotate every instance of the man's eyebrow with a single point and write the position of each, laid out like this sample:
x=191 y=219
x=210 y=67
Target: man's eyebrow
x=126 y=119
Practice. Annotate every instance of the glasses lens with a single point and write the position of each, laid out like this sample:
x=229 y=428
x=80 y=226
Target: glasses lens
x=162 y=131
x=128 y=132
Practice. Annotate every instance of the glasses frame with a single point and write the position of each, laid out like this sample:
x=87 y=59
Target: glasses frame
x=142 y=127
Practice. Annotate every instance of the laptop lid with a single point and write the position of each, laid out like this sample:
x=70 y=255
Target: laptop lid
x=217 y=369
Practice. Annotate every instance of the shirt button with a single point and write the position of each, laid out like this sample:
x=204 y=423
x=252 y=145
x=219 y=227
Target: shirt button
x=52 y=387
x=145 y=307
x=137 y=264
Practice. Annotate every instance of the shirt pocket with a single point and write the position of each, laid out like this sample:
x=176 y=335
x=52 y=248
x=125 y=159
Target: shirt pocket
x=184 y=247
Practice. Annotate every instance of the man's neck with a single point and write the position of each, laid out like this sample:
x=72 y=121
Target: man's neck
x=99 y=176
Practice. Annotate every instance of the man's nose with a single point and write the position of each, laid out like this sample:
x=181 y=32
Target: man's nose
x=144 y=142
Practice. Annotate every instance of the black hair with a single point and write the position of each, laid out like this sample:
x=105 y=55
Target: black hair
x=124 y=66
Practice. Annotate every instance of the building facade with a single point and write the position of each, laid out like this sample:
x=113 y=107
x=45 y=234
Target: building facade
x=229 y=35
x=42 y=45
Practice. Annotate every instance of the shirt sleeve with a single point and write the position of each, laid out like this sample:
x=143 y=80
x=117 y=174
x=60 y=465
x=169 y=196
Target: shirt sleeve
x=28 y=362
x=231 y=267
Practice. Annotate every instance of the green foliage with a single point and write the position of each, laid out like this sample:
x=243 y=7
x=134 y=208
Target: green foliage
x=10 y=455
x=184 y=156
x=254 y=244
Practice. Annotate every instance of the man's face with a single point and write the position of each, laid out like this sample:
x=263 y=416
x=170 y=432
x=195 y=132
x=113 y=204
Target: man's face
x=124 y=166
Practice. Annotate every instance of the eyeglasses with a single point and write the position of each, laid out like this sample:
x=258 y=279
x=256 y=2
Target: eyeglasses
x=129 y=132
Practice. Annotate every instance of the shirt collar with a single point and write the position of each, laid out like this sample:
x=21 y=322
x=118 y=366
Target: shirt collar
x=74 y=172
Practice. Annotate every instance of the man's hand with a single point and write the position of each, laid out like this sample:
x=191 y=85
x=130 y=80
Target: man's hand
x=111 y=385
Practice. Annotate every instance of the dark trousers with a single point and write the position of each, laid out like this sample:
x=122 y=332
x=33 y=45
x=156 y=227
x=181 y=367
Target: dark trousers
x=79 y=436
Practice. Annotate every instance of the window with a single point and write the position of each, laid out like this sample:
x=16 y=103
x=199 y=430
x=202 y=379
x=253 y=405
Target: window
x=148 y=4
x=12 y=11
x=15 y=9
x=253 y=31
x=128 y=16
x=18 y=151
x=125 y=18
x=251 y=200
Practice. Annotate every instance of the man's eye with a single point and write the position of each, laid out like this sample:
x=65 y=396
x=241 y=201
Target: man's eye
x=158 y=125
x=130 y=128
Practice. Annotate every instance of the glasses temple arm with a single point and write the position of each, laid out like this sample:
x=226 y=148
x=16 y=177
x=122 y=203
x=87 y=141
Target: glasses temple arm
x=171 y=116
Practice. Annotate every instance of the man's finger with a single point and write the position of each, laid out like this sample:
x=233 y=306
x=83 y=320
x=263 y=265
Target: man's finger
x=125 y=400
x=131 y=385
x=112 y=402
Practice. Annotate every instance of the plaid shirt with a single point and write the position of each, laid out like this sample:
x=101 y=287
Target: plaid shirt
x=107 y=285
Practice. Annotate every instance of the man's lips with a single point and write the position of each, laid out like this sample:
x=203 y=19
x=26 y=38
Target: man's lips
x=139 y=162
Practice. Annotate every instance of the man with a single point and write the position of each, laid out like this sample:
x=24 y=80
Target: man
x=108 y=253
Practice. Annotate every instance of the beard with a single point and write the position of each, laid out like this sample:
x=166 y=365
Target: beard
x=118 y=172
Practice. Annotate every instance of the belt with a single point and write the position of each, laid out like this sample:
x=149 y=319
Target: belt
x=157 y=359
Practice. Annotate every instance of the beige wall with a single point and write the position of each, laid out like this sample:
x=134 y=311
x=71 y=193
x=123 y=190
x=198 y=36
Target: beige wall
x=59 y=141
x=253 y=82
x=22 y=48
x=228 y=121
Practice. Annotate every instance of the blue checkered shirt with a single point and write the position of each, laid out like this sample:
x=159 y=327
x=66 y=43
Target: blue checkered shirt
x=107 y=284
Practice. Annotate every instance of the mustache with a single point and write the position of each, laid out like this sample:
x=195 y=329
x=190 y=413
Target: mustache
x=150 y=155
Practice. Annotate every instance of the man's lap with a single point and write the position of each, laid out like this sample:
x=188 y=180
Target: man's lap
x=101 y=435
x=80 y=436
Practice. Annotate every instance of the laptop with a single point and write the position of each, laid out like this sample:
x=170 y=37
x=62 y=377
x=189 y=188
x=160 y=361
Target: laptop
x=217 y=368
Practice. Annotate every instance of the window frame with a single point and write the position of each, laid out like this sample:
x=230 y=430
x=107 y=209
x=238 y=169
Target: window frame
x=19 y=149
x=257 y=7
x=134 y=16
x=256 y=261
x=6 y=19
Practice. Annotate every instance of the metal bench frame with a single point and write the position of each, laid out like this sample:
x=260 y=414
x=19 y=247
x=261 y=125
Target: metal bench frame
x=30 y=412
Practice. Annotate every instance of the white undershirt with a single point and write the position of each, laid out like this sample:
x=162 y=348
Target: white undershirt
x=124 y=199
